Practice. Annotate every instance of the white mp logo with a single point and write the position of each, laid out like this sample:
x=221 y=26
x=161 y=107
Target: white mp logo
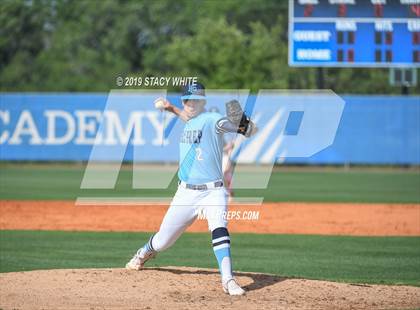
x=315 y=129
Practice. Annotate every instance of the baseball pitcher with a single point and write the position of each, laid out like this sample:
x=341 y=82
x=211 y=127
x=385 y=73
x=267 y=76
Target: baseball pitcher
x=200 y=187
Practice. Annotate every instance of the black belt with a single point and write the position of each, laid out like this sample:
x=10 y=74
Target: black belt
x=201 y=187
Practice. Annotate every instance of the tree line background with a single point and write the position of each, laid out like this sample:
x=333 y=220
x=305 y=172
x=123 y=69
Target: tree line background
x=83 y=45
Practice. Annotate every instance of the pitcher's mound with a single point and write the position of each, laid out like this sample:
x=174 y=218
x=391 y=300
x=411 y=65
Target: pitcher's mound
x=185 y=288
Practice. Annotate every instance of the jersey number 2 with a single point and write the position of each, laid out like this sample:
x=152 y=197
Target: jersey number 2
x=199 y=153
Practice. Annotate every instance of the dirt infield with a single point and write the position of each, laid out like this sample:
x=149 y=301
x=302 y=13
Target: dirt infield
x=283 y=218
x=189 y=288
x=192 y=288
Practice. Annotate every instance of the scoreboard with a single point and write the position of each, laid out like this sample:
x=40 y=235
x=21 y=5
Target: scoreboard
x=354 y=33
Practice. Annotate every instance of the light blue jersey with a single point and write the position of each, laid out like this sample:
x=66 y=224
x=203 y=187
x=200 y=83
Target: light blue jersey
x=201 y=150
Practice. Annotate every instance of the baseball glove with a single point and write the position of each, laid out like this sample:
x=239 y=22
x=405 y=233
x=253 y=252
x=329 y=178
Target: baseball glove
x=239 y=118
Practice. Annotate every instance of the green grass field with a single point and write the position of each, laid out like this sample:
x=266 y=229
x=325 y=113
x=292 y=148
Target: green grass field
x=389 y=260
x=337 y=185
x=345 y=259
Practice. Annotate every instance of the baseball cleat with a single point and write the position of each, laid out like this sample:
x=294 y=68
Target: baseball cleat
x=139 y=259
x=231 y=287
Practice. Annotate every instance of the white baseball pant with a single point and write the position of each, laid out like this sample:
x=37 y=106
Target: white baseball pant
x=184 y=209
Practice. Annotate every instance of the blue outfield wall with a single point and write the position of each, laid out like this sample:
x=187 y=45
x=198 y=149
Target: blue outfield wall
x=375 y=130
x=50 y=127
